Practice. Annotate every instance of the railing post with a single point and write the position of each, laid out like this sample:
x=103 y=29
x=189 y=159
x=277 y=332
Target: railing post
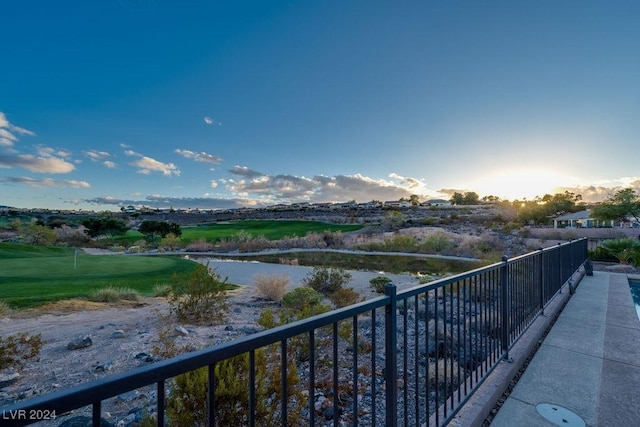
x=559 y=258
x=541 y=278
x=391 y=358
x=504 y=298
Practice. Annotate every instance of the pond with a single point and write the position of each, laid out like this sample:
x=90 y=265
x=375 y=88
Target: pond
x=388 y=262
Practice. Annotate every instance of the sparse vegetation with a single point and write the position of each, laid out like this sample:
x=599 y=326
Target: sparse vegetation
x=271 y=287
x=187 y=403
x=5 y=309
x=15 y=349
x=344 y=297
x=162 y=290
x=199 y=297
x=302 y=297
x=114 y=294
x=378 y=283
x=327 y=280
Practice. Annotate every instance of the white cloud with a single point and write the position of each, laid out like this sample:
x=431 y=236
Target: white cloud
x=289 y=188
x=110 y=164
x=199 y=157
x=8 y=131
x=213 y=184
x=211 y=121
x=97 y=156
x=37 y=164
x=407 y=181
x=45 y=151
x=146 y=165
x=46 y=182
x=245 y=172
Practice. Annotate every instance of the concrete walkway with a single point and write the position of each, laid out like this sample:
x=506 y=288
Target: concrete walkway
x=589 y=363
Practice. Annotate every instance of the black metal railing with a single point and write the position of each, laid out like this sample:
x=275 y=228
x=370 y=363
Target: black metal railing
x=406 y=358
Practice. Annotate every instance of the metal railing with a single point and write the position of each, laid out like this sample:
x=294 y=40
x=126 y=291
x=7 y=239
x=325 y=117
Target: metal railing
x=406 y=358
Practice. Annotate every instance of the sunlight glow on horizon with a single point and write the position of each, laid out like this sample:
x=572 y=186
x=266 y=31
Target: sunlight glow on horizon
x=520 y=184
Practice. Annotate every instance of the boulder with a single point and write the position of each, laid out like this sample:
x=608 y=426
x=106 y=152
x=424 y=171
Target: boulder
x=79 y=342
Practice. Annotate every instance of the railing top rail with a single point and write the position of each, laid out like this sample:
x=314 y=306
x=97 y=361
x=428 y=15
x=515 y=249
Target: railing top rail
x=419 y=289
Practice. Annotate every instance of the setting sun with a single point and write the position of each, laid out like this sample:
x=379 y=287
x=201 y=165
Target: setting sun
x=520 y=184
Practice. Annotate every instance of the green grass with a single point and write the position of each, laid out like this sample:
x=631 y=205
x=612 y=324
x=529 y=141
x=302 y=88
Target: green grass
x=270 y=229
x=32 y=275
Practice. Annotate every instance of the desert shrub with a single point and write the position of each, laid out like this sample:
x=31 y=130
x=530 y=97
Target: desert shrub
x=429 y=221
x=378 y=283
x=271 y=287
x=301 y=297
x=200 y=245
x=299 y=344
x=114 y=294
x=437 y=242
x=333 y=239
x=344 y=297
x=161 y=290
x=327 y=280
x=393 y=220
x=14 y=349
x=426 y=278
x=5 y=309
x=255 y=244
x=199 y=297
x=171 y=241
x=311 y=240
x=71 y=236
x=187 y=402
x=401 y=243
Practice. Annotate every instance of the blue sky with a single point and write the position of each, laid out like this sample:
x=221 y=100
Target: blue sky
x=211 y=104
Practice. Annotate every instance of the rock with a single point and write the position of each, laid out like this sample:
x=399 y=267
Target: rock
x=228 y=328
x=79 y=342
x=181 y=331
x=118 y=334
x=103 y=367
x=144 y=357
x=25 y=394
x=329 y=413
x=6 y=379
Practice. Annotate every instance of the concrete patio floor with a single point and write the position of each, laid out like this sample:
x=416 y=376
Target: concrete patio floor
x=589 y=363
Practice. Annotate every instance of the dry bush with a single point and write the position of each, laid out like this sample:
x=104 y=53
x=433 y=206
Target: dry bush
x=112 y=294
x=483 y=246
x=72 y=236
x=271 y=287
x=161 y=290
x=5 y=310
x=255 y=244
x=344 y=297
x=200 y=245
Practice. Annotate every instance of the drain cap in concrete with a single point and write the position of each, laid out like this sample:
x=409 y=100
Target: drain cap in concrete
x=559 y=415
